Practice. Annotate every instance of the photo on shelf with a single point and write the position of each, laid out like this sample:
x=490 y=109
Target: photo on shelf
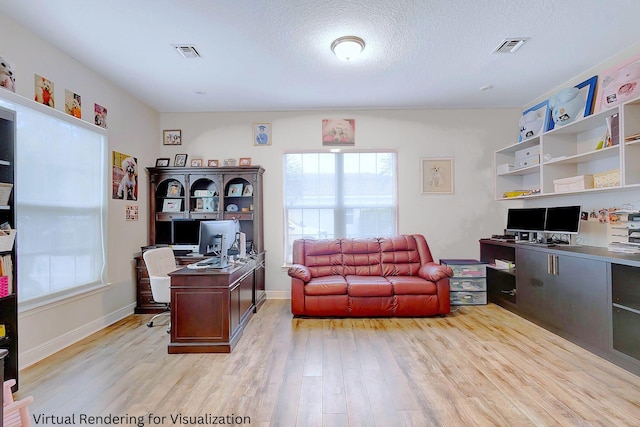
x=173 y=189
x=213 y=163
x=618 y=84
x=180 y=160
x=248 y=190
x=172 y=205
x=534 y=121
x=571 y=103
x=162 y=162
x=7 y=75
x=72 y=104
x=235 y=190
x=43 y=91
x=196 y=163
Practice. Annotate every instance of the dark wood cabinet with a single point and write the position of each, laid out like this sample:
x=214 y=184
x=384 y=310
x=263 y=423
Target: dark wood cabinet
x=210 y=307
x=566 y=293
x=586 y=294
x=205 y=193
x=9 y=279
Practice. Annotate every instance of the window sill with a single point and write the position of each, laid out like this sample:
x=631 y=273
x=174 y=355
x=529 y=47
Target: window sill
x=38 y=305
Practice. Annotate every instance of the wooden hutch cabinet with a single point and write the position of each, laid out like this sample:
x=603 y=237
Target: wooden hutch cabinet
x=204 y=193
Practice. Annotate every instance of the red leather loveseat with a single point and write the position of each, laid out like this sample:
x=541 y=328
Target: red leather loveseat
x=393 y=276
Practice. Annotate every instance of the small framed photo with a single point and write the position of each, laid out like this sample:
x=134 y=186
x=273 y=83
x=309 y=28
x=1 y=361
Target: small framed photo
x=172 y=137
x=245 y=161
x=229 y=162
x=180 y=160
x=162 y=162
x=235 y=190
x=196 y=163
x=172 y=205
x=174 y=188
x=262 y=134
x=248 y=190
x=437 y=175
x=213 y=163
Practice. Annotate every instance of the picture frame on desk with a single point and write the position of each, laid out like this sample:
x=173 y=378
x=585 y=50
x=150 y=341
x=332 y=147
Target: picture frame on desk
x=180 y=160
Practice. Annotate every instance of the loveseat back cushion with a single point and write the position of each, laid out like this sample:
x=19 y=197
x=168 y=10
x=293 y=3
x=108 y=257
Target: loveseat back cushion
x=400 y=256
x=362 y=257
x=322 y=257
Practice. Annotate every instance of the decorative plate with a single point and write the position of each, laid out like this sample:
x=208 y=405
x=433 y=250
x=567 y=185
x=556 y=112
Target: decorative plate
x=232 y=208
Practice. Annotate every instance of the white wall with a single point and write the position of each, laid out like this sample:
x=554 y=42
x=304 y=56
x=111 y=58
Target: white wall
x=133 y=129
x=452 y=224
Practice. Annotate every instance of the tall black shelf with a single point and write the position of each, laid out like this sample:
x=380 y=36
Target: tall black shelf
x=9 y=304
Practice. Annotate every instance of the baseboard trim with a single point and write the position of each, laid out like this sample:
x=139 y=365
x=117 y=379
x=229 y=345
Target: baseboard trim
x=278 y=294
x=45 y=350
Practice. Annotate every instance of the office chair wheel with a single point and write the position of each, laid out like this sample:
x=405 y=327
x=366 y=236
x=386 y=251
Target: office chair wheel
x=150 y=324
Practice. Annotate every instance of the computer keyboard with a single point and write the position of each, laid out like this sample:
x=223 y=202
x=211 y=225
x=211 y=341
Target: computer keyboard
x=205 y=263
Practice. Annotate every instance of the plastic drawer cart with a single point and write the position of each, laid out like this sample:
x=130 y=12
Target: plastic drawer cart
x=468 y=286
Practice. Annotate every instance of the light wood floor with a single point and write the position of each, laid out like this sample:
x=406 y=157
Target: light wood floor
x=479 y=366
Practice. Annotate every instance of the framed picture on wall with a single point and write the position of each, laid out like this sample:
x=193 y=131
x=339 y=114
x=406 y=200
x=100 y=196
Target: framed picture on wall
x=172 y=137
x=437 y=175
x=262 y=134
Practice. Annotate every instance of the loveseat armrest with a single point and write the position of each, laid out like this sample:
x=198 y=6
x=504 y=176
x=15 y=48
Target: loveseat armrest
x=434 y=272
x=299 y=271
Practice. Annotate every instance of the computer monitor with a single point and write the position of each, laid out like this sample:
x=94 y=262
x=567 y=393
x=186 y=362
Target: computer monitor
x=185 y=234
x=563 y=220
x=526 y=219
x=217 y=237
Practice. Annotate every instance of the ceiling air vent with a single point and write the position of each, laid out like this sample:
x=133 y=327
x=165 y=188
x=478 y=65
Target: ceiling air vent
x=186 y=51
x=510 y=45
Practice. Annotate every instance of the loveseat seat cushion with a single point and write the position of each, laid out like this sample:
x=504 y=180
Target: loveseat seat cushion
x=326 y=285
x=412 y=285
x=369 y=286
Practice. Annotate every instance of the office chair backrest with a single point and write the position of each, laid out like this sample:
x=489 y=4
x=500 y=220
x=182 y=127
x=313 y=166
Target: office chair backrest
x=160 y=262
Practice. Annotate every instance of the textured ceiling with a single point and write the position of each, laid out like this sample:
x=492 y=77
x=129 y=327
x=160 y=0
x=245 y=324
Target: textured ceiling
x=262 y=55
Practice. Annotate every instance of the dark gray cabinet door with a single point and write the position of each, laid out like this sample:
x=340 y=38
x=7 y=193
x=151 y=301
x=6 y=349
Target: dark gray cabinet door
x=564 y=292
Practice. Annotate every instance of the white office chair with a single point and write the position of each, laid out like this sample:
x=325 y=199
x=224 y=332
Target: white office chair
x=160 y=262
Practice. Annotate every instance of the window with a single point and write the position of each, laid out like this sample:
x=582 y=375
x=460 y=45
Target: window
x=333 y=195
x=60 y=206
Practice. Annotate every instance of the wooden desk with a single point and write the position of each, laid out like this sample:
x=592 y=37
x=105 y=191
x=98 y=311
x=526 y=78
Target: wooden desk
x=210 y=307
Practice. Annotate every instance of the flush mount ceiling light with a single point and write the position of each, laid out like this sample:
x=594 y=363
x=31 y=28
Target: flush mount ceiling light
x=348 y=47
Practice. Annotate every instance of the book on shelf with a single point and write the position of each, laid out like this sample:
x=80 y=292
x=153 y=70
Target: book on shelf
x=625 y=248
x=502 y=264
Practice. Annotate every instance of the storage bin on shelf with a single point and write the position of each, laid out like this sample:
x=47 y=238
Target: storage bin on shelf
x=573 y=183
x=6 y=241
x=607 y=179
x=5 y=192
x=4 y=286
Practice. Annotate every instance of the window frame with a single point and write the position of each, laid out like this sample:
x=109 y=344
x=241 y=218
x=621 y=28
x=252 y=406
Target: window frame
x=340 y=205
x=18 y=104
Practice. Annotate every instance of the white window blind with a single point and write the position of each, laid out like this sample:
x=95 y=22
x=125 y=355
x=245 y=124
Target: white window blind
x=345 y=194
x=60 y=206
